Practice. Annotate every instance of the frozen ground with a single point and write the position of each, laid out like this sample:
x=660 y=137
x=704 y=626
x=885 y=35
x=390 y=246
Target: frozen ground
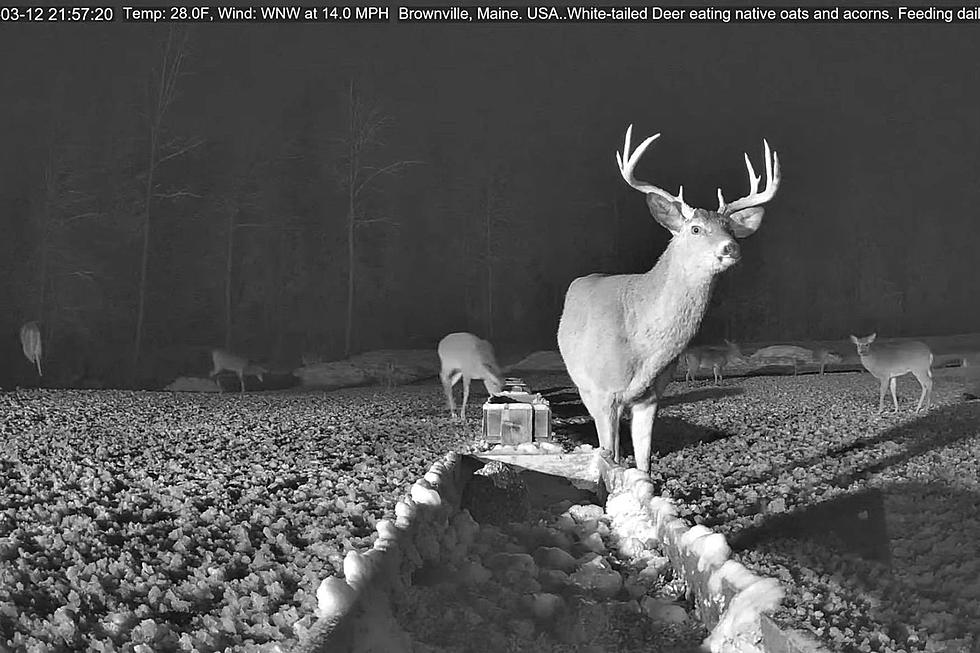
x=159 y=521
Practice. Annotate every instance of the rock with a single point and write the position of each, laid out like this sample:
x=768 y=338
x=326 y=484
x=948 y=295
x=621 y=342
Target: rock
x=566 y=524
x=550 y=557
x=593 y=542
x=512 y=567
x=584 y=513
x=523 y=628
x=630 y=547
x=334 y=596
x=545 y=606
x=655 y=567
x=595 y=576
x=553 y=579
x=664 y=611
x=472 y=572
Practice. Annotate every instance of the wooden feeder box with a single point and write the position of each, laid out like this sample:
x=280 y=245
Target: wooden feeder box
x=516 y=416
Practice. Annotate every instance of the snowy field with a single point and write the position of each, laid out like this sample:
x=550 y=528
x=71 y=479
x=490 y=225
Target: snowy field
x=182 y=521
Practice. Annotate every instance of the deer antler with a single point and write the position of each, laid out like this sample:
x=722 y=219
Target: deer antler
x=628 y=161
x=755 y=198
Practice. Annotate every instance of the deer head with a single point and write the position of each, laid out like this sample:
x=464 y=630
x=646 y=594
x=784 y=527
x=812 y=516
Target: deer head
x=704 y=240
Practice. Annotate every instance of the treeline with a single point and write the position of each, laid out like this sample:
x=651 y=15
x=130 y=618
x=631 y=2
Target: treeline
x=157 y=204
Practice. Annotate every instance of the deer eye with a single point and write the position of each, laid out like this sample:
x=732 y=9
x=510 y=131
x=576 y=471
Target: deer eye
x=695 y=229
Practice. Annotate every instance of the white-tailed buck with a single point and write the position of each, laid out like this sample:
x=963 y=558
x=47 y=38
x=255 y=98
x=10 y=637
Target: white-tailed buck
x=888 y=361
x=618 y=332
x=30 y=341
x=224 y=361
x=465 y=356
x=715 y=358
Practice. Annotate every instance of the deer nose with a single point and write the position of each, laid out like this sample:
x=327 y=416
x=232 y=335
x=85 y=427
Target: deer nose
x=731 y=250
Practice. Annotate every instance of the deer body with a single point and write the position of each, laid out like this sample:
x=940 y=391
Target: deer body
x=823 y=356
x=30 y=341
x=888 y=361
x=467 y=357
x=717 y=358
x=796 y=354
x=618 y=333
x=224 y=361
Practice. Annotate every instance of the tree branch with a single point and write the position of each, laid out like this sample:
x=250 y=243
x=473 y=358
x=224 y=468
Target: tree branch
x=177 y=194
x=183 y=150
x=388 y=169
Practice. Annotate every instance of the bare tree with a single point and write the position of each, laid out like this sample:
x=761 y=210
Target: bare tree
x=70 y=223
x=249 y=207
x=358 y=178
x=161 y=148
x=499 y=243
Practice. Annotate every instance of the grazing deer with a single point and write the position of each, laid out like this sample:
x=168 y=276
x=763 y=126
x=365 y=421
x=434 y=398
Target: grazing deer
x=465 y=356
x=717 y=358
x=823 y=356
x=888 y=361
x=223 y=360
x=618 y=332
x=30 y=341
x=781 y=353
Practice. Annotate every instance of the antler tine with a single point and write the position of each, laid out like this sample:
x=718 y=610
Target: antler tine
x=755 y=198
x=627 y=161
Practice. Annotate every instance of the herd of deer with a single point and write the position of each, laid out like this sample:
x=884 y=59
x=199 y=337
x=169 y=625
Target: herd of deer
x=621 y=336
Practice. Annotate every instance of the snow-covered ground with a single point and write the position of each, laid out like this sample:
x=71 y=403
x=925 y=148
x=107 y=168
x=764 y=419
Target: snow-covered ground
x=182 y=521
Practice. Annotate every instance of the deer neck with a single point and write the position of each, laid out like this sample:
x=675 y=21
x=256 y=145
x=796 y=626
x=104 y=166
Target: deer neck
x=674 y=298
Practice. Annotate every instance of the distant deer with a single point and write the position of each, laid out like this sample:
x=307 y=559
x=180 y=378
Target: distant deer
x=823 y=356
x=311 y=358
x=665 y=377
x=30 y=341
x=888 y=361
x=618 y=332
x=225 y=361
x=717 y=358
x=465 y=356
x=778 y=353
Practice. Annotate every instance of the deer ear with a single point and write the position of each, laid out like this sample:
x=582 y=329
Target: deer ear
x=745 y=222
x=667 y=213
x=872 y=337
x=854 y=339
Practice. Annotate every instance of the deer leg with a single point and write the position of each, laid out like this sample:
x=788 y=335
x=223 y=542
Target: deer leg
x=641 y=432
x=466 y=395
x=449 y=379
x=925 y=380
x=881 y=394
x=605 y=414
x=617 y=415
x=241 y=379
x=893 y=383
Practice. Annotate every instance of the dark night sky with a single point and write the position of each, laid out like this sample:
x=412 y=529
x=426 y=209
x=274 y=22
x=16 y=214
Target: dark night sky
x=876 y=126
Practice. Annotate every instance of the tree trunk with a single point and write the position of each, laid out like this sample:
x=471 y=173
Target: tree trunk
x=489 y=259
x=229 y=267
x=351 y=219
x=144 y=257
